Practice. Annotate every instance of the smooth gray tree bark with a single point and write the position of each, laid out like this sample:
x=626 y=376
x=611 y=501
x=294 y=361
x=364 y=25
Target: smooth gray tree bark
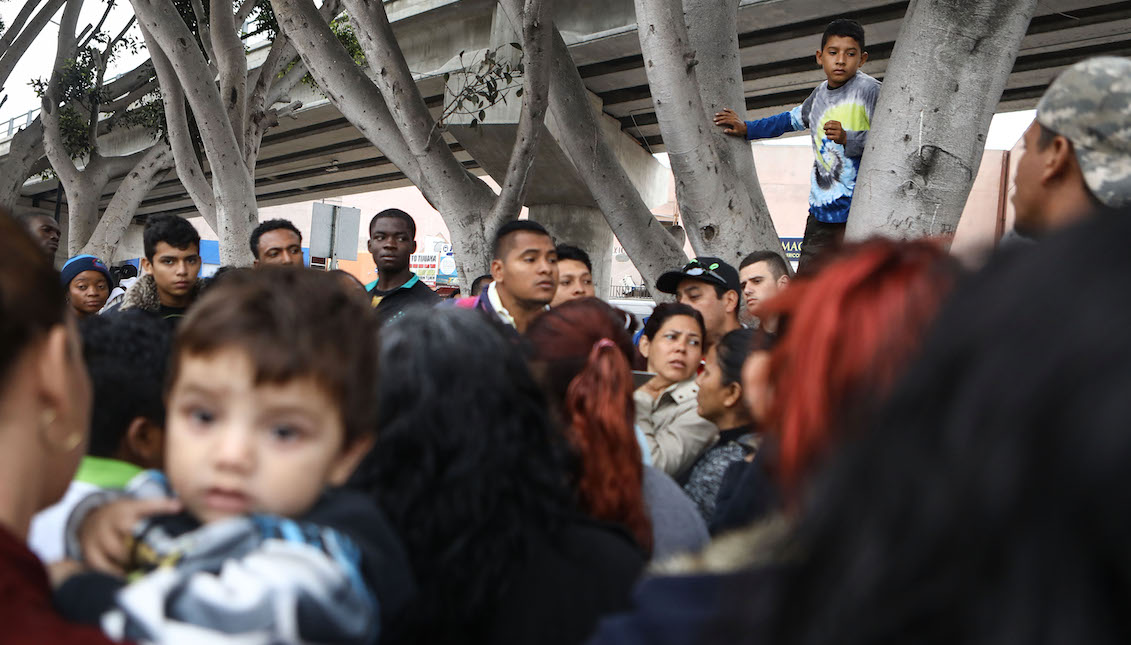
x=951 y=62
x=714 y=200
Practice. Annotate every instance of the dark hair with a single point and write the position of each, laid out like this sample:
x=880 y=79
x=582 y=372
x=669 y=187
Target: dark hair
x=844 y=27
x=589 y=383
x=395 y=213
x=467 y=483
x=774 y=261
x=881 y=293
x=733 y=349
x=987 y=504
x=667 y=310
x=173 y=230
x=293 y=323
x=271 y=225
x=477 y=284
x=569 y=252
x=501 y=246
x=126 y=354
x=32 y=300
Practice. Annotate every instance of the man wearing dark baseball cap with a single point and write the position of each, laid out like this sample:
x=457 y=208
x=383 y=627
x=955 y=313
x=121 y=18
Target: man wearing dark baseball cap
x=1077 y=154
x=712 y=288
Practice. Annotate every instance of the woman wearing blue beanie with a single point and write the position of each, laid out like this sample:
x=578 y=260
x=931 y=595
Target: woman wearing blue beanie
x=88 y=284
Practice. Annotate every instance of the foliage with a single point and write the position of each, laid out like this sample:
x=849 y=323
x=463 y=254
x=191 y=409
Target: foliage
x=482 y=85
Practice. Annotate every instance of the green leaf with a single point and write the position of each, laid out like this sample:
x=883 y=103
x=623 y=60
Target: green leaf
x=447 y=76
x=475 y=123
x=519 y=92
x=482 y=115
x=517 y=46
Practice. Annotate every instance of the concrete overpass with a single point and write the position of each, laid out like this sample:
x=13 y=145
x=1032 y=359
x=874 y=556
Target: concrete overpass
x=319 y=154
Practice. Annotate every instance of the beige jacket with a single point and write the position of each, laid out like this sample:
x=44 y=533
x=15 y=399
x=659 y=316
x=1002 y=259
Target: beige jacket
x=676 y=434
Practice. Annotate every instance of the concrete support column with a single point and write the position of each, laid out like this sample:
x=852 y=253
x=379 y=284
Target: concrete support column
x=586 y=229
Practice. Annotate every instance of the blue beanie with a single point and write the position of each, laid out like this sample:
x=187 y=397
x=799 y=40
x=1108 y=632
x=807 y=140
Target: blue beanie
x=80 y=263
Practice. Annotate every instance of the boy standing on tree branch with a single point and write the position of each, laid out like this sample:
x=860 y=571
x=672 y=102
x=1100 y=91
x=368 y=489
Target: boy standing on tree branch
x=838 y=115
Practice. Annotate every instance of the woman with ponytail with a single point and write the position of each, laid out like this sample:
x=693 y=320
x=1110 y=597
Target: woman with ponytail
x=582 y=359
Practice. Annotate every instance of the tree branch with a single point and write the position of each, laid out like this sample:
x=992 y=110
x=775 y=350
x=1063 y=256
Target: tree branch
x=12 y=54
x=129 y=99
x=188 y=167
x=140 y=179
x=54 y=146
x=17 y=24
x=232 y=64
x=204 y=29
x=536 y=45
x=243 y=12
x=396 y=84
x=130 y=81
x=344 y=83
x=98 y=28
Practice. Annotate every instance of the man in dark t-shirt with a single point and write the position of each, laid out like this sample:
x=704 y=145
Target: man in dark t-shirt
x=392 y=240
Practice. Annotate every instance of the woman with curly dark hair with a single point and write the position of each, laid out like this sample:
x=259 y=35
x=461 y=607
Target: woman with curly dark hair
x=582 y=357
x=474 y=478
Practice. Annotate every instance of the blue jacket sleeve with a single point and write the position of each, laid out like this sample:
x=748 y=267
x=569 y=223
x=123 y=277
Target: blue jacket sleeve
x=776 y=125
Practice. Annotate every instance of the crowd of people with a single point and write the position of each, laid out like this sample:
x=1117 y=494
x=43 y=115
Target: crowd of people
x=883 y=447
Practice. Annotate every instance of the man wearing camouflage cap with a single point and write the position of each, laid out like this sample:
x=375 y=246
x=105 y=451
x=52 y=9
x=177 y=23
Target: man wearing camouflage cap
x=1077 y=153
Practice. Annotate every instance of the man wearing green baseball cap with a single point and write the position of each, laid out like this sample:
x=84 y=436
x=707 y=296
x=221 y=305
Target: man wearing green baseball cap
x=1077 y=153
x=712 y=288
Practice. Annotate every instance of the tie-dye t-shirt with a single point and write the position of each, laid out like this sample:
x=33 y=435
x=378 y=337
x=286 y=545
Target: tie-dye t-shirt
x=834 y=165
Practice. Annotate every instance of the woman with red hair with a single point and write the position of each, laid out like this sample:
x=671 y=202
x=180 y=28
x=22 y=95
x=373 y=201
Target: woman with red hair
x=582 y=358
x=847 y=334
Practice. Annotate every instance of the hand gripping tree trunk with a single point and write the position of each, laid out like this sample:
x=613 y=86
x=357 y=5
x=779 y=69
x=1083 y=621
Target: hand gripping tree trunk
x=950 y=65
x=714 y=201
x=391 y=113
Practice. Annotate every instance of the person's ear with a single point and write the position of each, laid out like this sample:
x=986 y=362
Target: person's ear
x=413 y=247
x=255 y=262
x=732 y=395
x=146 y=266
x=349 y=459
x=145 y=443
x=496 y=271
x=820 y=59
x=863 y=57
x=731 y=300
x=1058 y=160
x=645 y=346
x=783 y=282
x=54 y=363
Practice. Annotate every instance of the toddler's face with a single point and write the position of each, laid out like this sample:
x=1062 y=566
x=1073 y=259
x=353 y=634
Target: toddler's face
x=234 y=447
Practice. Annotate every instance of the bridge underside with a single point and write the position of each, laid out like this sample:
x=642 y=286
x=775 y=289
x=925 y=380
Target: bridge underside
x=319 y=154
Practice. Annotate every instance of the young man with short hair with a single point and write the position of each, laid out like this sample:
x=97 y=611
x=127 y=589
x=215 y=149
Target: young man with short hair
x=838 y=115
x=171 y=266
x=763 y=274
x=44 y=230
x=392 y=241
x=525 y=269
x=1077 y=154
x=711 y=287
x=277 y=241
x=480 y=283
x=575 y=275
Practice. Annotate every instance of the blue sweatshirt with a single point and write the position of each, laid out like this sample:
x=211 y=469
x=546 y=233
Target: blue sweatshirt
x=835 y=166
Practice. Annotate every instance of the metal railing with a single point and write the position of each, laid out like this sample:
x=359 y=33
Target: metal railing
x=15 y=123
x=621 y=291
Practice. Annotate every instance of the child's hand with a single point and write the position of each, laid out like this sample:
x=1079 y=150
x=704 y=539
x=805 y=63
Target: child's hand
x=107 y=533
x=835 y=132
x=734 y=125
x=59 y=572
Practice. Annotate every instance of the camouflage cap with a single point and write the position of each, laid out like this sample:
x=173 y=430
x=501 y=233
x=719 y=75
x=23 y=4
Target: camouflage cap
x=1090 y=105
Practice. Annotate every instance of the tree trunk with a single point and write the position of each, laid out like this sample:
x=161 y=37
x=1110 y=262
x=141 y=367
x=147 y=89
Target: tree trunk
x=127 y=199
x=26 y=149
x=650 y=247
x=934 y=111
x=233 y=187
x=714 y=39
x=713 y=200
x=464 y=202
